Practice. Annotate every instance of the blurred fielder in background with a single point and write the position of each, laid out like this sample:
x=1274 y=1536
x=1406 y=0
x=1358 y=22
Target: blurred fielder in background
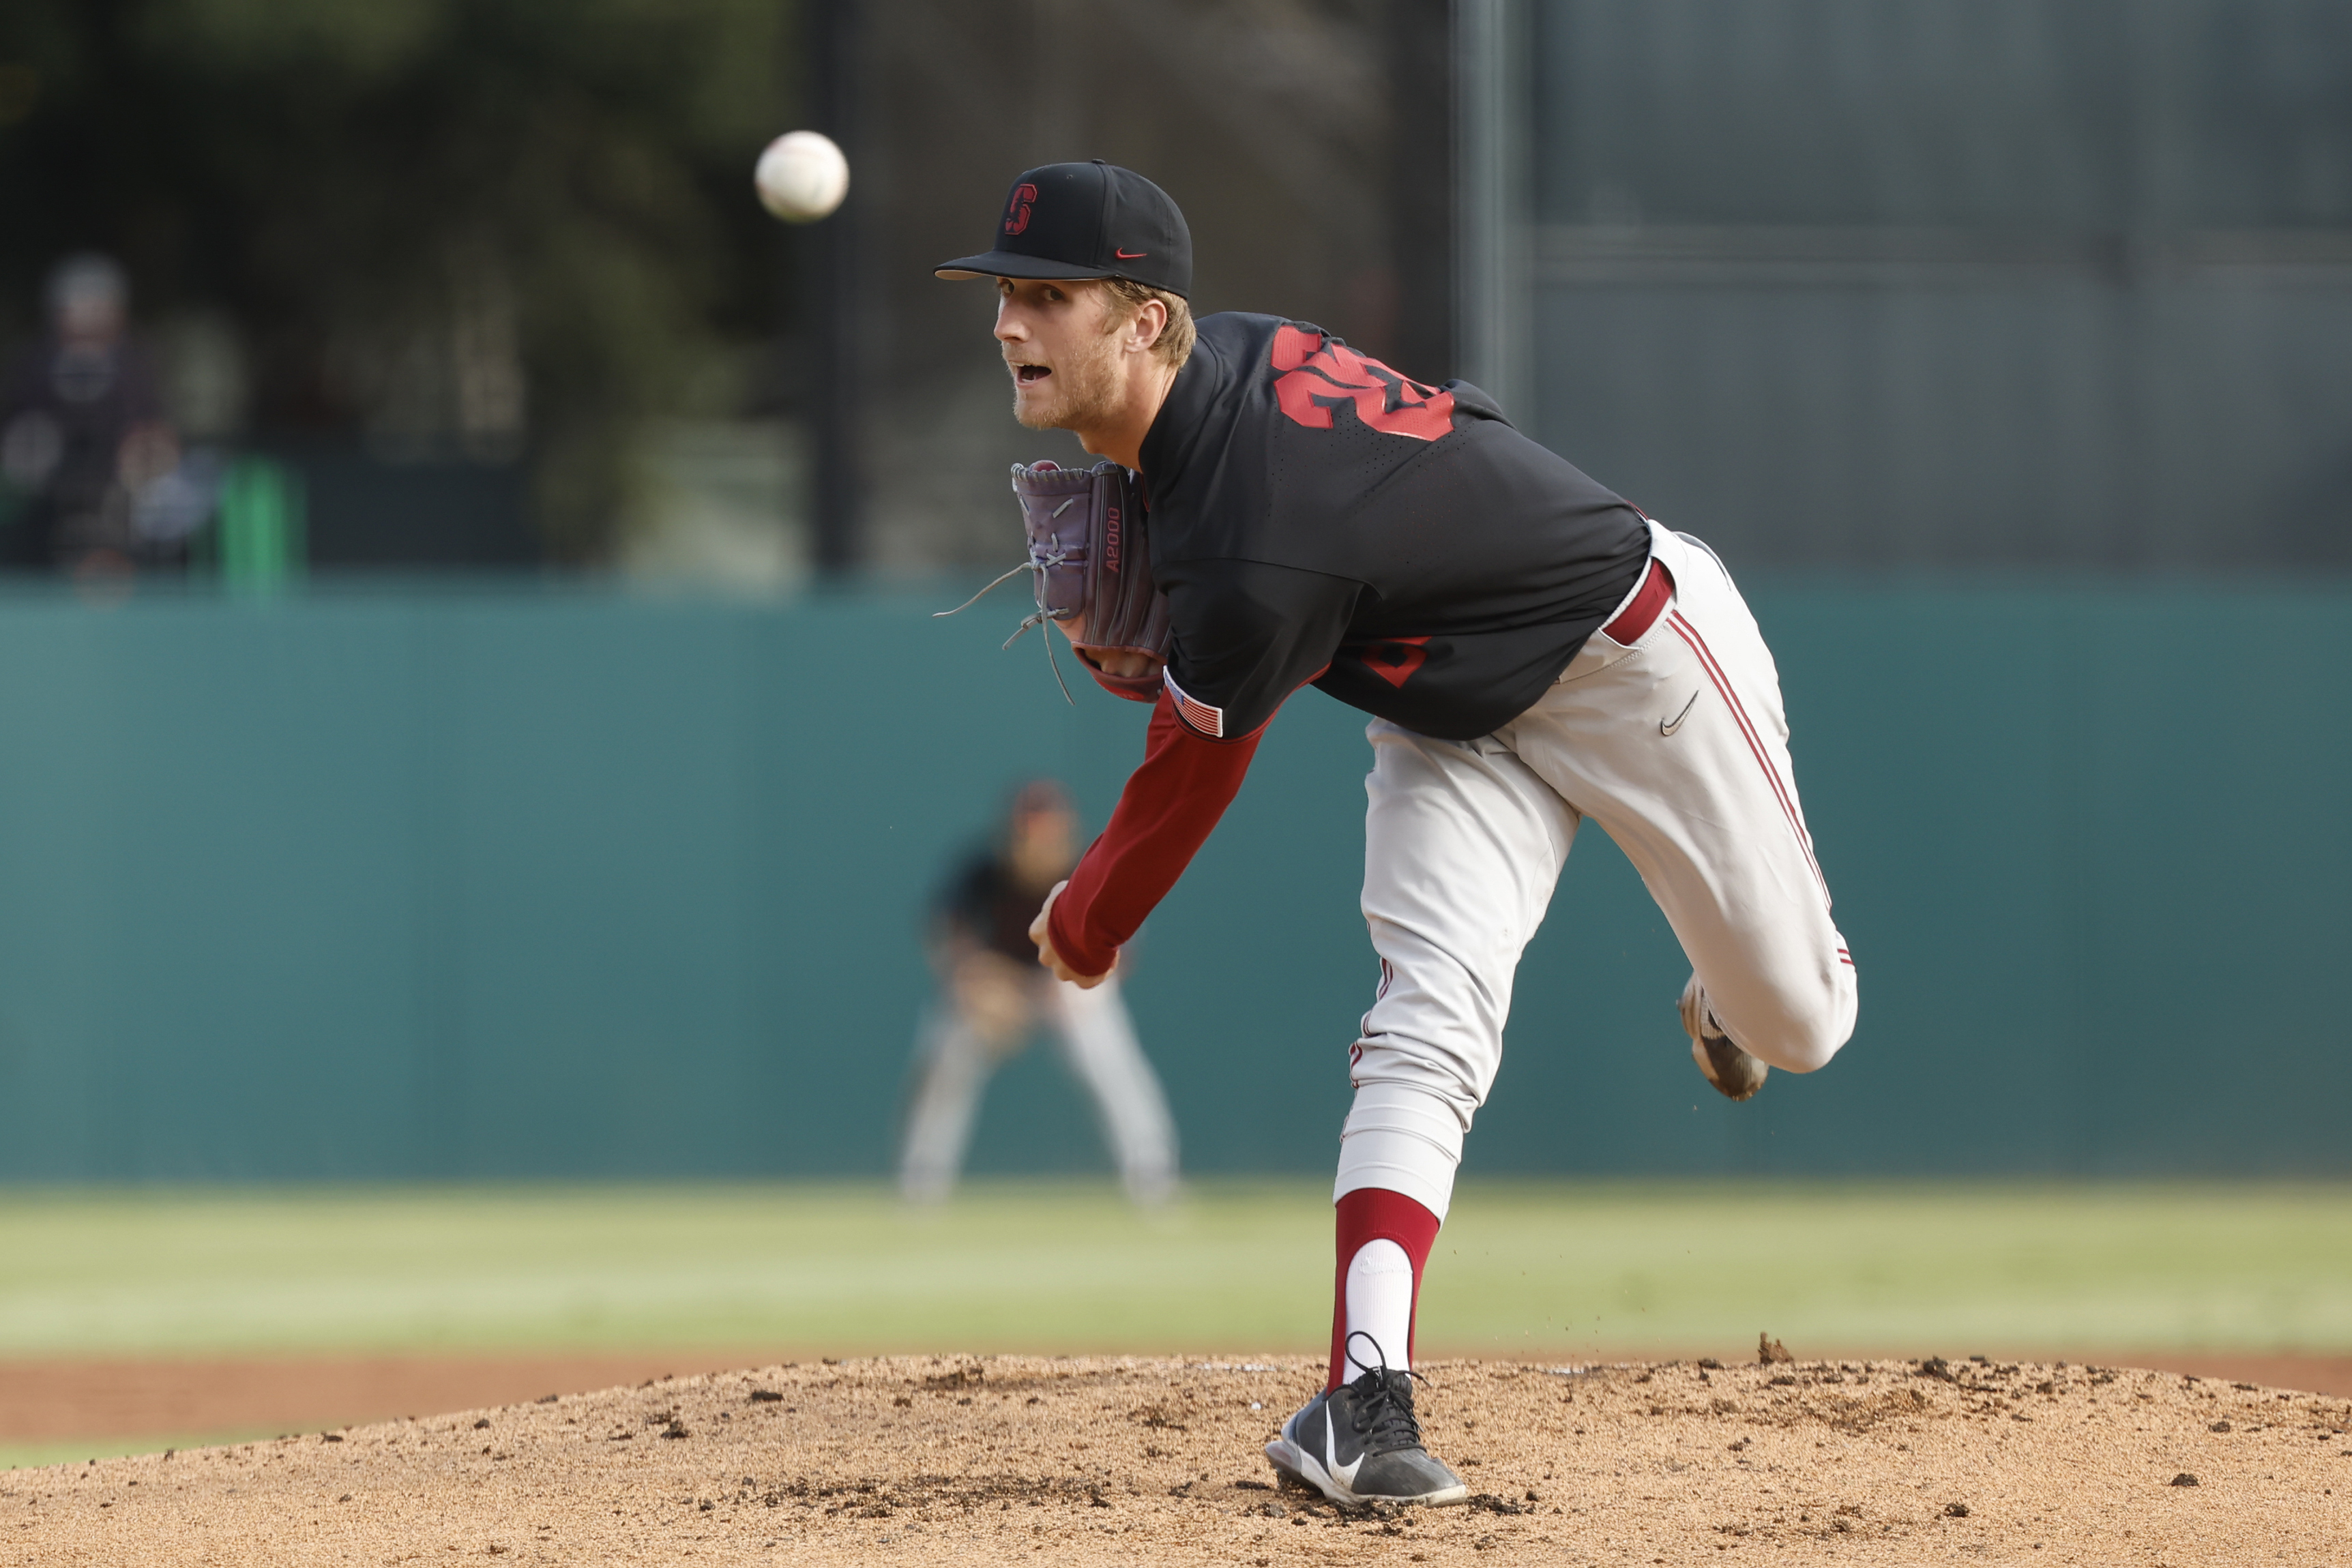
x=992 y=997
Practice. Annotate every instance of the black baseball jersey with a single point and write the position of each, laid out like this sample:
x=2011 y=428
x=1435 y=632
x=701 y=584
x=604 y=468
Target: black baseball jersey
x=985 y=902
x=1316 y=516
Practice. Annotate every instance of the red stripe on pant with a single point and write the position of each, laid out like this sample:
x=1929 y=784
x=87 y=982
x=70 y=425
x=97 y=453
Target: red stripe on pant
x=1375 y=1214
x=1689 y=634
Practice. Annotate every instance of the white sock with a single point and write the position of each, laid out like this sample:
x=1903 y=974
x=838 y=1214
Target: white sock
x=1380 y=1306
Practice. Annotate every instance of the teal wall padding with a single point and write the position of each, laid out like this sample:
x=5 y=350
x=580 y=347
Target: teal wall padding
x=499 y=883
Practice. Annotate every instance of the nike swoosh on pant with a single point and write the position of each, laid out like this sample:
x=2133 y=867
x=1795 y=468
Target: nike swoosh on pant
x=1665 y=728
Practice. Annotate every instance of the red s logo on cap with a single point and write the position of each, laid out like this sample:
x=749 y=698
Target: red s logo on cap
x=1016 y=211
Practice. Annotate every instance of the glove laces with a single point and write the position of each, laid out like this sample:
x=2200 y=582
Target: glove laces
x=1039 y=561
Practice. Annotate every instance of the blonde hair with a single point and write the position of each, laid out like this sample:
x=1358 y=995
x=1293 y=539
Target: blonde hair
x=1175 y=341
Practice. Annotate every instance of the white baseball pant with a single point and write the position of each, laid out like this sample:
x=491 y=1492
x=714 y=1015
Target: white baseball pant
x=1099 y=1044
x=1677 y=744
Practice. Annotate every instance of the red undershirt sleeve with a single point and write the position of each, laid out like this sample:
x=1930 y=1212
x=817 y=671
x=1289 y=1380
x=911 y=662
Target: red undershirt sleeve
x=1172 y=802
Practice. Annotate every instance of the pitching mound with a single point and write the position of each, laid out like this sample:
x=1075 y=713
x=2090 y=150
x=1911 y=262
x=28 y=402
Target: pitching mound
x=1124 y=1462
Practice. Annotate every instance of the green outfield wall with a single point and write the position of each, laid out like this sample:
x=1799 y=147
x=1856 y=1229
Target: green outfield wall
x=513 y=882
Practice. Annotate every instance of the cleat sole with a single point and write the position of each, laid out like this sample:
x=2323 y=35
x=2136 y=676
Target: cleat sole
x=1300 y=1466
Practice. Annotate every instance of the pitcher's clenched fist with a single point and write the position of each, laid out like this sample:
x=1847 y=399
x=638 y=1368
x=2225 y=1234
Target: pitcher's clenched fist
x=1041 y=932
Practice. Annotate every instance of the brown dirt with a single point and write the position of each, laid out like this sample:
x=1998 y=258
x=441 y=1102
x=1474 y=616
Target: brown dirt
x=49 y=1401
x=2318 y=1374
x=114 y=1403
x=1125 y=1461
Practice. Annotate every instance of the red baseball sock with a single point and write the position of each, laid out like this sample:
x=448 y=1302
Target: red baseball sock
x=1375 y=1214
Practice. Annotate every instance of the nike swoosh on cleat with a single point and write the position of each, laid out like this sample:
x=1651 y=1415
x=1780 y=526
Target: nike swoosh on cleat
x=1344 y=1474
x=1665 y=728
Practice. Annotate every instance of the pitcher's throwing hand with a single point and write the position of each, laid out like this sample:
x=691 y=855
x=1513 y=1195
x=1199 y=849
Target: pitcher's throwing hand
x=1041 y=932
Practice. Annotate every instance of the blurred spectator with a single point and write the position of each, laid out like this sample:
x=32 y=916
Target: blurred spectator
x=991 y=997
x=84 y=443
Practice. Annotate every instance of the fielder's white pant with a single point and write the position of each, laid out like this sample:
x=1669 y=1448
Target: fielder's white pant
x=1099 y=1044
x=1677 y=747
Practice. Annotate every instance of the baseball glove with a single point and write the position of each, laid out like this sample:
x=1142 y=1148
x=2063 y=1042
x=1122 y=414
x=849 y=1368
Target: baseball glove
x=1092 y=561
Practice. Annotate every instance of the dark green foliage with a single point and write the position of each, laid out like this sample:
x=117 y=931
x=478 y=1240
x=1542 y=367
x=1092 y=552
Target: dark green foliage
x=344 y=178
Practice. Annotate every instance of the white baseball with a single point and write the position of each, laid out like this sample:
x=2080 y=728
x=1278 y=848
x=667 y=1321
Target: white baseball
x=801 y=176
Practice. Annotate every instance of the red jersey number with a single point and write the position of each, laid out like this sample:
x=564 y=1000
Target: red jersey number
x=1318 y=375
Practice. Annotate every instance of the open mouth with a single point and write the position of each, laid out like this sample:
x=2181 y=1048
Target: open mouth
x=1030 y=375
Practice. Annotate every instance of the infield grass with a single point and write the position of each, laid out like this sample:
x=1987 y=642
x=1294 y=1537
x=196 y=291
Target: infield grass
x=1551 y=1271
x=1536 y=1269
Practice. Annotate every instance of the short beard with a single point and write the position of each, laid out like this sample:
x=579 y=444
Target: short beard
x=1087 y=394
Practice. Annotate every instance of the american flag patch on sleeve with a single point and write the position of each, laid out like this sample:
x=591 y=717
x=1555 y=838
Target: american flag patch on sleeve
x=1209 y=721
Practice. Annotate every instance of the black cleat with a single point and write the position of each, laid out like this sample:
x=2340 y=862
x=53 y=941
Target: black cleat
x=1735 y=1074
x=1360 y=1443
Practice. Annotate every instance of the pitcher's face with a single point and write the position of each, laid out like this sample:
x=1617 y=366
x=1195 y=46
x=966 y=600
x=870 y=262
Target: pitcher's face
x=1061 y=350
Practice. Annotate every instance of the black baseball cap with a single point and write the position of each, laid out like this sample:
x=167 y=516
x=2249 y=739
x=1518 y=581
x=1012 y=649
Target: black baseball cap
x=1087 y=220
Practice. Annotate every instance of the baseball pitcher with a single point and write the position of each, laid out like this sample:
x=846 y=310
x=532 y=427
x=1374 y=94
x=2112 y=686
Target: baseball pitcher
x=1278 y=510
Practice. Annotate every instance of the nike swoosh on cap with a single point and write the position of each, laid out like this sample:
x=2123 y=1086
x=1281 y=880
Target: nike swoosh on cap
x=1130 y=254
